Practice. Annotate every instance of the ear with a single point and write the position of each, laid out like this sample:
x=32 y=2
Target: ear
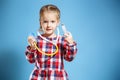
x=40 y=23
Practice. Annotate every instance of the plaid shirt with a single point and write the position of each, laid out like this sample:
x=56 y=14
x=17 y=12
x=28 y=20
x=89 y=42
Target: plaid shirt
x=50 y=68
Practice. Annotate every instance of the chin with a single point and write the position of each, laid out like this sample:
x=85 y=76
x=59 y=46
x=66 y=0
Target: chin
x=49 y=32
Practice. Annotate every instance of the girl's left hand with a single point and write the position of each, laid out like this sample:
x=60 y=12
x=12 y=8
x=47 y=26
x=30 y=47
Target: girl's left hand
x=68 y=37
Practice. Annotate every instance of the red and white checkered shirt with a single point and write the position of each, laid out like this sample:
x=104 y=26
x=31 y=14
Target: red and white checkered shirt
x=50 y=68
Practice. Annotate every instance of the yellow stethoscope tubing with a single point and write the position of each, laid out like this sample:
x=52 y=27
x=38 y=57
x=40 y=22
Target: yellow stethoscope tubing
x=48 y=54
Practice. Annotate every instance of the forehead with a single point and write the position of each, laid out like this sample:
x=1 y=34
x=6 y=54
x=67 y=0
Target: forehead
x=49 y=15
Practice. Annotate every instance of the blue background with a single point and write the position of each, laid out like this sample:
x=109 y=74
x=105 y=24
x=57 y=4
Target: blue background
x=94 y=24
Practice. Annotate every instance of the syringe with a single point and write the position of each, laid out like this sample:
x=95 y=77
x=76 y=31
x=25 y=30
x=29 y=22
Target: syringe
x=65 y=30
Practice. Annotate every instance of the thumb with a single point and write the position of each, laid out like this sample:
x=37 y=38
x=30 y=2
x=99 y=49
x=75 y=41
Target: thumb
x=67 y=34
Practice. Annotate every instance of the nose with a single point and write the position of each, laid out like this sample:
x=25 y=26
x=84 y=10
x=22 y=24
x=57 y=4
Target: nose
x=48 y=24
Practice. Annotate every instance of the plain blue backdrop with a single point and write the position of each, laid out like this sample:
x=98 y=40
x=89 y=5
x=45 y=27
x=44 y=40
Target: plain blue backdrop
x=94 y=24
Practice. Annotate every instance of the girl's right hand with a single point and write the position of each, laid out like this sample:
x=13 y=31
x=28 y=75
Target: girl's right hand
x=31 y=41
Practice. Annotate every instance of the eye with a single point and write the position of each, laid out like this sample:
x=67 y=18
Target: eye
x=45 y=21
x=53 y=21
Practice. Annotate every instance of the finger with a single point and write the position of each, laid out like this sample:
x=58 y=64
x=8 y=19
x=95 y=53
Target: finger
x=31 y=40
x=30 y=37
x=67 y=34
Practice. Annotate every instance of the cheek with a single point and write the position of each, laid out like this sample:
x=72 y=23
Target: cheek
x=42 y=25
x=55 y=26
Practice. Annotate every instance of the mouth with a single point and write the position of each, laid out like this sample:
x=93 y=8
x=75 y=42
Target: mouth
x=48 y=29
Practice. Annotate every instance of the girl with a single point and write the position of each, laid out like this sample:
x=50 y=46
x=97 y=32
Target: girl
x=50 y=49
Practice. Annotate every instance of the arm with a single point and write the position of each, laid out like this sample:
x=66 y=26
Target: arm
x=30 y=54
x=30 y=51
x=69 y=50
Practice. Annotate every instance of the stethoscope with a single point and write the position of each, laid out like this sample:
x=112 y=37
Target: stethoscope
x=53 y=42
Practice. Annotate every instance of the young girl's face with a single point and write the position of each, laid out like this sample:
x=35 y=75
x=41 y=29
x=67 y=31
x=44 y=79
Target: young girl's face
x=49 y=22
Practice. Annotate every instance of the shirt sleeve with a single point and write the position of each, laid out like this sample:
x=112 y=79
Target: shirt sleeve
x=30 y=56
x=69 y=50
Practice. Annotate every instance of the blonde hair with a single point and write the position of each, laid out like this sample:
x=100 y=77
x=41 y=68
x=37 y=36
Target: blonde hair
x=49 y=7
